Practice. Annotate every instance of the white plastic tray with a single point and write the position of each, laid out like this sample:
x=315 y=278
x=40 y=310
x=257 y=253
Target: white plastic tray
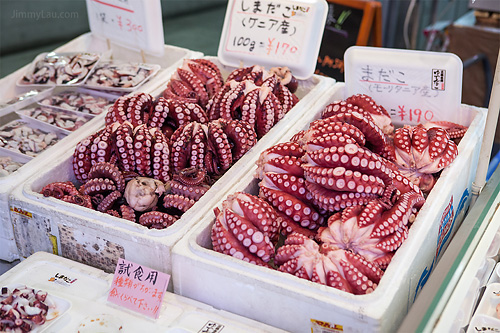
x=267 y=294
x=85 y=290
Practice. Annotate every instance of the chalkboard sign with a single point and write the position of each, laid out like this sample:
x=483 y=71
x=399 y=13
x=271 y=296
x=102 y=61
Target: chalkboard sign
x=349 y=22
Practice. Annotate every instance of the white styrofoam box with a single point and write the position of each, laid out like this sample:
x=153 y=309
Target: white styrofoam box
x=84 y=291
x=264 y=294
x=459 y=291
x=99 y=239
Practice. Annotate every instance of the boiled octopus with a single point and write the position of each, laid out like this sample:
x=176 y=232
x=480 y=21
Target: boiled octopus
x=343 y=170
x=23 y=309
x=257 y=97
x=214 y=146
x=283 y=186
x=421 y=153
x=337 y=268
x=180 y=194
x=374 y=230
x=196 y=81
x=246 y=227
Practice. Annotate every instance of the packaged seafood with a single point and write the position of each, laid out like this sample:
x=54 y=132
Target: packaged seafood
x=10 y=162
x=71 y=68
x=25 y=138
x=120 y=76
x=79 y=99
x=67 y=121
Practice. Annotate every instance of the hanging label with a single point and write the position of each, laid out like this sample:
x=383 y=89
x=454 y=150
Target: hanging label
x=413 y=86
x=138 y=288
x=137 y=24
x=273 y=33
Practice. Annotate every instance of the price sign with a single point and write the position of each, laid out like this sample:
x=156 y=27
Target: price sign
x=137 y=24
x=413 y=86
x=138 y=288
x=273 y=33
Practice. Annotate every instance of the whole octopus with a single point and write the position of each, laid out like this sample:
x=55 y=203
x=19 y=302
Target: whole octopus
x=340 y=196
x=155 y=158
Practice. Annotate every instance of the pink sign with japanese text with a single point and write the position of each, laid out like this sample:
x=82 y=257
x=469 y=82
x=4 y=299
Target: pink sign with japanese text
x=138 y=288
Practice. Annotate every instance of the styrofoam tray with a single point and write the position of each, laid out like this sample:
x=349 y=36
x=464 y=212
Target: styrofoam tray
x=85 y=290
x=99 y=239
x=29 y=114
x=82 y=92
x=152 y=68
x=265 y=294
x=56 y=64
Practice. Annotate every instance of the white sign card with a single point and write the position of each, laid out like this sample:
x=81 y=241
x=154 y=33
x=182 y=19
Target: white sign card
x=273 y=33
x=132 y=23
x=413 y=86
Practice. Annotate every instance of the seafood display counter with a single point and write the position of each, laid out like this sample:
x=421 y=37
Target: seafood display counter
x=60 y=106
x=97 y=238
x=312 y=305
x=462 y=294
x=76 y=299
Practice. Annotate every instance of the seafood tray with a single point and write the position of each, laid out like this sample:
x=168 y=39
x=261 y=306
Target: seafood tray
x=81 y=100
x=27 y=137
x=21 y=100
x=65 y=68
x=265 y=295
x=58 y=120
x=121 y=76
x=99 y=239
x=79 y=294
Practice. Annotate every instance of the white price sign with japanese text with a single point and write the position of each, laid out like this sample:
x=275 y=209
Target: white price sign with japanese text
x=132 y=23
x=273 y=33
x=413 y=86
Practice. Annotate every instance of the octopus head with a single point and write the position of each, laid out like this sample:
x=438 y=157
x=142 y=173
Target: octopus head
x=142 y=193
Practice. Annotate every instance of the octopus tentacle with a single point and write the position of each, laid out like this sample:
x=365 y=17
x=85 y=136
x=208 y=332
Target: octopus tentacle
x=157 y=220
x=109 y=201
x=177 y=201
x=108 y=170
x=97 y=185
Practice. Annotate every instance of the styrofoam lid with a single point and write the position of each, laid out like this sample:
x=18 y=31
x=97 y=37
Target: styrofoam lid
x=271 y=33
x=413 y=86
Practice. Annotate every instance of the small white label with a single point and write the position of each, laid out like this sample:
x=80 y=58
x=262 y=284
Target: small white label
x=137 y=24
x=273 y=33
x=211 y=327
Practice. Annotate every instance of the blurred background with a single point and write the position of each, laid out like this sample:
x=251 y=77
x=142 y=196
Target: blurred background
x=468 y=28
